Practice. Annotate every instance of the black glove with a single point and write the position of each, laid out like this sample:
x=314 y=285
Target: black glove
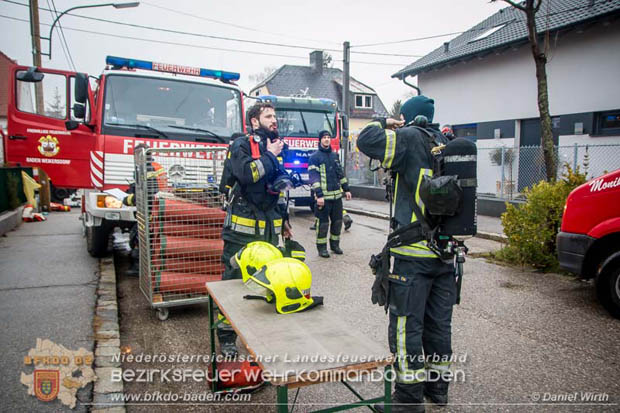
x=380 y=290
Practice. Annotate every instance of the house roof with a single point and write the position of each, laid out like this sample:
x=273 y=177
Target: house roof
x=553 y=15
x=292 y=80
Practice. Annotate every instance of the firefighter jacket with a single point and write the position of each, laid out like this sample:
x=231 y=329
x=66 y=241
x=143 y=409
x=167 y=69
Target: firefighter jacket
x=406 y=152
x=326 y=175
x=255 y=212
x=157 y=180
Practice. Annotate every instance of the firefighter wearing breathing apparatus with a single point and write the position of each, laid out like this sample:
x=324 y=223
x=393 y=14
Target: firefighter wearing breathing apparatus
x=421 y=288
x=255 y=211
x=328 y=183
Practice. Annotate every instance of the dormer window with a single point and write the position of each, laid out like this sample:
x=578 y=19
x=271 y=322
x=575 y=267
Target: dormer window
x=363 y=101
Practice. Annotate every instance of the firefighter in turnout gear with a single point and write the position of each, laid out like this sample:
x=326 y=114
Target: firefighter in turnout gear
x=328 y=183
x=422 y=287
x=256 y=211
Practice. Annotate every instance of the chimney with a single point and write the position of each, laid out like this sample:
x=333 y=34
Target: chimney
x=316 y=61
x=446 y=47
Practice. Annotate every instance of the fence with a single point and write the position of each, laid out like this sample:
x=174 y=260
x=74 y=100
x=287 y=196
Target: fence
x=504 y=172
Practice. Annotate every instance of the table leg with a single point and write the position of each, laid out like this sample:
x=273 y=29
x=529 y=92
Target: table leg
x=213 y=353
x=387 y=388
x=282 y=399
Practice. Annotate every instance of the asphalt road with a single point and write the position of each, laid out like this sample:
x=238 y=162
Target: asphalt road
x=526 y=341
x=47 y=291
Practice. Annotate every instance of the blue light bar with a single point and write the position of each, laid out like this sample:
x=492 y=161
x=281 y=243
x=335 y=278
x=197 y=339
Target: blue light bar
x=120 y=62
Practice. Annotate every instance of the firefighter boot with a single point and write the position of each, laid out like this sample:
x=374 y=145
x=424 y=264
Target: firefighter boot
x=322 y=250
x=335 y=247
x=437 y=392
x=134 y=270
x=227 y=338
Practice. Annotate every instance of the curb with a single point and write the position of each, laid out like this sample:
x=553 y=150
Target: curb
x=106 y=394
x=480 y=234
x=9 y=220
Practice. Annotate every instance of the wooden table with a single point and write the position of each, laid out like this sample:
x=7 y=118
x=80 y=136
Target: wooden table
x=297 y=349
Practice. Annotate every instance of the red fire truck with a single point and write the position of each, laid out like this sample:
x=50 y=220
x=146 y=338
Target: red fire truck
x=299 y=122
x=589 y=240
x=82 y=130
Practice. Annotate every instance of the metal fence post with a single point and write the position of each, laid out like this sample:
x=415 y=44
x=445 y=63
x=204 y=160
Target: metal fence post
x=501 y=185
x=575 y=152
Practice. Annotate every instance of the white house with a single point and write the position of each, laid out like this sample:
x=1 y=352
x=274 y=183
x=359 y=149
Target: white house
x=484 y=84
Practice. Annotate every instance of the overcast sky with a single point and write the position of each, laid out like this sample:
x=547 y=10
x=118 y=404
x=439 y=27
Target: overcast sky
x=317 y=24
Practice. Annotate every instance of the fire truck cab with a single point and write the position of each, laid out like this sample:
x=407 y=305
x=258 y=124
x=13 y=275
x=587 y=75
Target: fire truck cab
x=589 y=239
x=82 y=130
x=300 y=120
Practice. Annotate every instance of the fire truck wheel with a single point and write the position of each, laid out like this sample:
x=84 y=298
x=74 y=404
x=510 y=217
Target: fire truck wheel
x=97 y=241
x=608 y=287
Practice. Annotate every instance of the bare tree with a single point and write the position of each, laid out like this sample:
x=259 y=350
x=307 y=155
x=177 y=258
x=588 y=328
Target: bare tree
x=264 y=74
x=530 y=8
x=395 y=111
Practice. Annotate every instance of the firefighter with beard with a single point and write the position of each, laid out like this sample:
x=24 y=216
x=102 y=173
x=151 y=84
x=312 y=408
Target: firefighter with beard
x=255 y=211
x=328 y=183
x=422 y=287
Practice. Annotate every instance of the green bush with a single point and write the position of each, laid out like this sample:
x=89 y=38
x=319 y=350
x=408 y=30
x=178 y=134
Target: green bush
x=532 y=227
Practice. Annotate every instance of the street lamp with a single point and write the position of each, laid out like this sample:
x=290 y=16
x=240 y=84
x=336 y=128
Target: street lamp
x=115 y=5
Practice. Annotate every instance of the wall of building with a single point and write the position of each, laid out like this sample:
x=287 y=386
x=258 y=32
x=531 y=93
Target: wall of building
x=582 y=73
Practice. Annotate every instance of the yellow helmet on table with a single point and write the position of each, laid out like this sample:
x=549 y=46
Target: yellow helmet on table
x=253 y=257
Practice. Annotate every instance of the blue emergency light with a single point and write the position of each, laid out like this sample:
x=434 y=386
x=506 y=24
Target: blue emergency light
x=120 y=62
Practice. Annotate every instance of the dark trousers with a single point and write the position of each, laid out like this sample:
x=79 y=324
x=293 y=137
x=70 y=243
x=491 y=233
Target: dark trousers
x=420 y=330
x=331 y=211
x=225 y=332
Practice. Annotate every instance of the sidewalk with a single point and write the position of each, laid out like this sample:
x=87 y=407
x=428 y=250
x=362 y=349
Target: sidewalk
x=488 y=227
x=47 y=291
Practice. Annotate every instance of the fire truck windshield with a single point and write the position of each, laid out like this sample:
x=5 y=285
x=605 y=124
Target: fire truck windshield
x=170 y=106
x=304 y=123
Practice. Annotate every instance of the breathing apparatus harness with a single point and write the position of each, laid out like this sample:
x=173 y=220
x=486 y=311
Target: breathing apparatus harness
x=446 y=247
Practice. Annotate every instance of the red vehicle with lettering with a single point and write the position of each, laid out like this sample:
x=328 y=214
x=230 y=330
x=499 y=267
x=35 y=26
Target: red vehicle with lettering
x=589 y=239
x=82 y=130
x=300 y=120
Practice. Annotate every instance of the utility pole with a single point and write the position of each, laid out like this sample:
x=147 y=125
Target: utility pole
x=346 y=79
x=36 y=51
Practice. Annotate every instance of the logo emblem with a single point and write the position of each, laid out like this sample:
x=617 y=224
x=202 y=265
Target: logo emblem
x=176 y=172
x=46 y=384
x=48 y=146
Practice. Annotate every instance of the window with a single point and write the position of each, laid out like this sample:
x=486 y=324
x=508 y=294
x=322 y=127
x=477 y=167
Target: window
x=171 y=106
x=608 y=123
x=486 y=33
x=304 y=123
x=47 y=97
x=469 y=131
x=363 y=101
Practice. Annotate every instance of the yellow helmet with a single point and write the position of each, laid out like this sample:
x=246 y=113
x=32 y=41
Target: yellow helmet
x=253 y=256
x=288 y=280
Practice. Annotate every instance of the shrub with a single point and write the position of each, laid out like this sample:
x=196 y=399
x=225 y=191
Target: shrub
x=532 y=227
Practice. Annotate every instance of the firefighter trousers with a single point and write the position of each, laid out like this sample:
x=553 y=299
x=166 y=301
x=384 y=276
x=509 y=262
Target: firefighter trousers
x=225 y=332
x=422 y=294
x=330 y=212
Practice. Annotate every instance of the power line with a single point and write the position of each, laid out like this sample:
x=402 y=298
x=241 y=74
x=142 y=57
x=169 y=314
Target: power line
x=160 y=29
x=228 y=23
x=119 y=36
x=408 y=40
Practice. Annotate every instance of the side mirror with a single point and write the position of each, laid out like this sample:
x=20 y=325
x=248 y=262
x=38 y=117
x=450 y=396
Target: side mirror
x=72 y=124
x=31 y=75
x=79 y=110
x=81 y=89
x=345 y=121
